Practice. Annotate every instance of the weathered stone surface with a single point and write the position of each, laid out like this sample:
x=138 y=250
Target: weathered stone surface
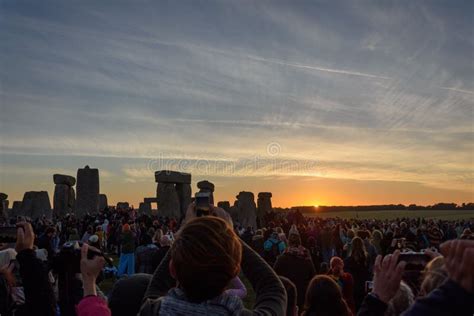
x=103 y=203
x=64 y=179
x=87 y=191
x=150 y=200
x=168 y=176
x=234 y=212
x=61 y=199
x=35 y=204
x=3 y=205
x=168 y=200
x=123 y=206
x=72 y=199
x=264 y=206
x=247 y=210
x=184 y=195
x=16 y=208
x=144 y=208
x=4 y=209
x=206 y=186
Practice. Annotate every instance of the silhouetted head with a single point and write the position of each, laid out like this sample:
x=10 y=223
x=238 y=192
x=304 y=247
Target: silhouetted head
x=205 y=256
x=127 y=294
x=324 y=297
x=294 y=240
x=337 y=265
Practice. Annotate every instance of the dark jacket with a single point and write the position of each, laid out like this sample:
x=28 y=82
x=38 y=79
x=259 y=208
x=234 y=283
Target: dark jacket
x=128 y=242
x=39 y=296
x=270 y=292
x=159 y=256
x=448 y=300
x=359 y=269
x=297 y=267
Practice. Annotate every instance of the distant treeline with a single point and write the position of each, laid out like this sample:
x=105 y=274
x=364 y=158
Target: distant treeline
x=389 y=207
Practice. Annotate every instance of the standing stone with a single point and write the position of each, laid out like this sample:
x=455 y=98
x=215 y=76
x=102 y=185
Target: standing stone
x=264 y=206
x=208 y=187
x=168 y=200
x=167 y=176
x=234 y=212
x=144 y=208
x=72 y=199
x=64 y=179
x=123 y=206
x=35 y=204
x=184 y=195
x=173 y=193
x=61 y=199
x=64 y=199
x=16 y=208
x=247 y=210
x=87 y=191
x=103 y=203
x=3 y=206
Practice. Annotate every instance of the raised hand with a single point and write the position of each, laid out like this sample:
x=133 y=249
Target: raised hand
x=25 y=237
x=459 y=262
x=387 y=276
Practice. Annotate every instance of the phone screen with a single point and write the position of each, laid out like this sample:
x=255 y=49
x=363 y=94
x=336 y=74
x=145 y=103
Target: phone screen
x=202 y=201
x=415 y=261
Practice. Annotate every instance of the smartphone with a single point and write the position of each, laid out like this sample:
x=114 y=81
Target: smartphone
x=369 y=286
x=8 y=234
x=416 y=261
x=202 y=202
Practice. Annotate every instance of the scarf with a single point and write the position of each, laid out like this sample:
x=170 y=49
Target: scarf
x=176 y=303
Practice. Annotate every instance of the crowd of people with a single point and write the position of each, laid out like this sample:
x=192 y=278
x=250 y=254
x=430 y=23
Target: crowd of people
x=296 y=265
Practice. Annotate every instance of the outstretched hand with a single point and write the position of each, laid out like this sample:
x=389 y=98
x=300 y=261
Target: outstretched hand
x=25 y=237
x=90 y=269
x=387 y=276
x=459 y=262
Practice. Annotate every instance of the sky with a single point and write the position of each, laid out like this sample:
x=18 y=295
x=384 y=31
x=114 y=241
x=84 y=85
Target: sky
x=319 y=102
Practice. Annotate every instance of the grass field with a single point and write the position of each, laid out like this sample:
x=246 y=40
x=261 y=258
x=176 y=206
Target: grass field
x=441 y=214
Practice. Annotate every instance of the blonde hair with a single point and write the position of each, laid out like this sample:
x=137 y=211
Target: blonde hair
x=433 y=276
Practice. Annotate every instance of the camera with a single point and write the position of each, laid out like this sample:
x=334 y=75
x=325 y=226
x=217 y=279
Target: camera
x=69 y=257
x=415 y=261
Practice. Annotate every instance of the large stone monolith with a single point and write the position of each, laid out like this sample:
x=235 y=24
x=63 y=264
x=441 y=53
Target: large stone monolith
x=264 y=206
x=36 y=204
x=144 y=209
x=64 y=199
x=247 y=210
x=123 y=206
x=184 y=195
x=168 y=200
x=87 y=191
x=173 y=193
x=103 y=203
x=4 y=206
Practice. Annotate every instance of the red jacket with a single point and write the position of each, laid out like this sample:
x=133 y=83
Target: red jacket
x=92 y=306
